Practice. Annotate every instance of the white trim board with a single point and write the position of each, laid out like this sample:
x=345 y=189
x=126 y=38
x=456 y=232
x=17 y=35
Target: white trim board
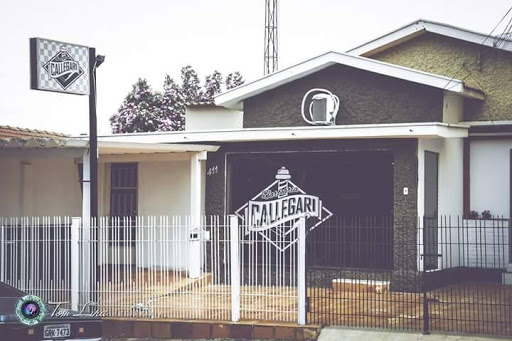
x=363 y=131
x=421 y=26
x=233 y=99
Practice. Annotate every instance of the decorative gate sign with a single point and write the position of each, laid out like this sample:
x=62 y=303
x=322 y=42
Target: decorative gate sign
x=58 y=66
x=274 y=213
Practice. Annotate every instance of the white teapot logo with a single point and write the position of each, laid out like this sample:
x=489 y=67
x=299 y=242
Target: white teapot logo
x=323 y=107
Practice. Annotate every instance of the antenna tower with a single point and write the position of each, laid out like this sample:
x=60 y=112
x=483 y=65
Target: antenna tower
x=271 y=42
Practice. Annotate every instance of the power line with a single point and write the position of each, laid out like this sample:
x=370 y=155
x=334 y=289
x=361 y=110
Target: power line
x=499 y=39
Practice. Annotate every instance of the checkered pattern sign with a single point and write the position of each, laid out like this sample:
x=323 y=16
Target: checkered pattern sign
x=58 y=66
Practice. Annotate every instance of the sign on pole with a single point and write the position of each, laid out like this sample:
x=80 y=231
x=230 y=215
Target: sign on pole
x=59 y=67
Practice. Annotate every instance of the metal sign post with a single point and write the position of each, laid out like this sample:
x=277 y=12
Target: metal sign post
x=93 y=131
x=70 y=68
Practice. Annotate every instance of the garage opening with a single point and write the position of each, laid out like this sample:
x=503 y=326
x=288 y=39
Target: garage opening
x=356 y=186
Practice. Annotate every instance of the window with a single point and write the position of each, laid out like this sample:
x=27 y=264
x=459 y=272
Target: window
x=123 y=201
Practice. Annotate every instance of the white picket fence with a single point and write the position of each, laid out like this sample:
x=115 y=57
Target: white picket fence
x=35 y=256
x=156 y=267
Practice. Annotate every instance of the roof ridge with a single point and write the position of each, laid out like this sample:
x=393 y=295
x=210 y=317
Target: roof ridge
x=409 y=30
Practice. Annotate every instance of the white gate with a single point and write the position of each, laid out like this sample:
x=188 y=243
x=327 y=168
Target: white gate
x=158 y=267
x=269 y=266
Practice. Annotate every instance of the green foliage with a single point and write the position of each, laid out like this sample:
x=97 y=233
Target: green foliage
x=145 y=110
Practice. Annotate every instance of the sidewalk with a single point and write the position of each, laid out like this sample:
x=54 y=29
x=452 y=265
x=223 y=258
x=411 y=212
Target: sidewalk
x=345 y=334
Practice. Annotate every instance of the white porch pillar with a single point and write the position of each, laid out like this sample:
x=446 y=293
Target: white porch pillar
x=75 y=262
x=196 y=208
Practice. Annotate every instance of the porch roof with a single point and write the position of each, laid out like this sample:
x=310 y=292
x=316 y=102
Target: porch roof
x=105 y=147
x=363 y=131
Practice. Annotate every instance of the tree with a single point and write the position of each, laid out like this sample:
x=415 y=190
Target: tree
x=145 y=110
x=173 y=106
x=190 y=84
x=212 y=87
x=139 y=111
x=233 y=80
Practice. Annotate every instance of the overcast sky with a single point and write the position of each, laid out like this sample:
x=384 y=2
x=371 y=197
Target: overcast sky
x=153 y=37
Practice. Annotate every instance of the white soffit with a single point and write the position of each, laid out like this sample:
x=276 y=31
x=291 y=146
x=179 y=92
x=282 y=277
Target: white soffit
x=421 y=26
x=115 y=147
x=233 y=99
x=364 y=131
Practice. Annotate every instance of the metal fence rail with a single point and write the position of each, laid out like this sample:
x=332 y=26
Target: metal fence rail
x=158 y=267
x=430 y=274
x=438 y=274
x=35 y=256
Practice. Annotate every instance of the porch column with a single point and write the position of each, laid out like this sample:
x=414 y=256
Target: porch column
x=196 y=210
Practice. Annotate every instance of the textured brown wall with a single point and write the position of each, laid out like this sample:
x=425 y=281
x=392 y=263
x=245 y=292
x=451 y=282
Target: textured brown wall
x=365 y=97
x=459 y=59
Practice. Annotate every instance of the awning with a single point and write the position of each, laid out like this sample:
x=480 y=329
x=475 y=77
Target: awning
x=364 y=131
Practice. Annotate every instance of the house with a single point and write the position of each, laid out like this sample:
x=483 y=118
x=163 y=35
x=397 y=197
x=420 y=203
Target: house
x=387 y=149
x=41 y=175
x=483 y=62
x=421 y=130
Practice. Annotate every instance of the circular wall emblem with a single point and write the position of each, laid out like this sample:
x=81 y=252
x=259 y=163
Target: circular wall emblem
x=30 y=310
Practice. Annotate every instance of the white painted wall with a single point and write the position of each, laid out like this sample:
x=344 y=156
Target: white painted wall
x=450 y=174
x=453 y=108
x=490 y=176
x=163 y=190
x=450 y=190
x=212 y=118
x=10 y=187
x=485 y=244
x=39 y=187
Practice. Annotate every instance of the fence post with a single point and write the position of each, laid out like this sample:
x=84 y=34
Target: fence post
x=75 y=261
x=194 y=247
x=301 y=273
x=426 y=322
x=3 y=244
x=235 y=268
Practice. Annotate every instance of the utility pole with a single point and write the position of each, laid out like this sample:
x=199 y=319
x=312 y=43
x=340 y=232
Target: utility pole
x=271 y=37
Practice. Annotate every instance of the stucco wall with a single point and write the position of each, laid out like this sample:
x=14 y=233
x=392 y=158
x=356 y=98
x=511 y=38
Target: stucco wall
x=164 y=188
x=365 y=98
x=39 y=187
x=212 y=118
x=459 y=59
x=10 y=187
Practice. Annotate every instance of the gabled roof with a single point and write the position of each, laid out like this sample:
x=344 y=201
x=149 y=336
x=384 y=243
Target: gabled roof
x=233 y=98
x=421 y=26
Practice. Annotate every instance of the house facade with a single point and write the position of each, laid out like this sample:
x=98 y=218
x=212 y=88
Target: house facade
x=421 y=129
x=484 y=64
